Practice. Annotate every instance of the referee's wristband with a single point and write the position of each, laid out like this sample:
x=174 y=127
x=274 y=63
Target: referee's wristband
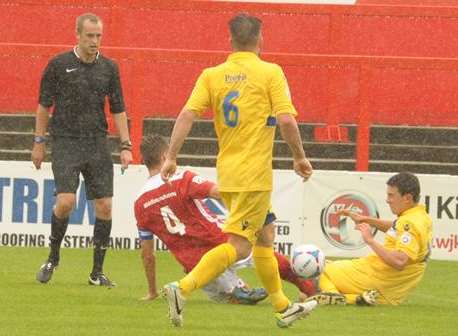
x=38 y=139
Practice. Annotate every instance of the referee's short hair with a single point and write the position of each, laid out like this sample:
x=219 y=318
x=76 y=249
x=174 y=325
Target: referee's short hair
x=152 y=148
x=82 y=18
x=245 y=30
x=407 y=183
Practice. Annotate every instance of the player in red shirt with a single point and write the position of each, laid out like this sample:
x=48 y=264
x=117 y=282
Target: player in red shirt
x=174 y=212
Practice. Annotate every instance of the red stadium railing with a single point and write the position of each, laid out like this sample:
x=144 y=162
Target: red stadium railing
x=154 y=78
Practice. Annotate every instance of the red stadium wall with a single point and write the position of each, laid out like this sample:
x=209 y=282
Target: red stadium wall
x=402 y=70
x=294 y=28
x=450 y=3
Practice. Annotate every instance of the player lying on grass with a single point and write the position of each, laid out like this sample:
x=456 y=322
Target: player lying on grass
x=395 y=268
x=174 y=212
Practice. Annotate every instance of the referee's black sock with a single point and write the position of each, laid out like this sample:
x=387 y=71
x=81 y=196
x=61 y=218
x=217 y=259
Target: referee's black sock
x=102 y=230
x=58 y=229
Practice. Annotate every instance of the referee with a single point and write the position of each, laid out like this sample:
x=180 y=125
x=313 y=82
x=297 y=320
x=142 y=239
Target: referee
x=76 y=84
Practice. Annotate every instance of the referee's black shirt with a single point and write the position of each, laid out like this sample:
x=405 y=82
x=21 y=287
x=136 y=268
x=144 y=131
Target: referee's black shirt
x=78 y=91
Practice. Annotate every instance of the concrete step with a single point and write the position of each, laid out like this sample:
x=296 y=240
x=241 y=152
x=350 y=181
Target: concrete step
x=18 y=155
x=393 y=148
x=405 y=153
x=24 y=140
x=278 y=163
x=410 y=135
x=208 y=146
x=420 y=167
x=205 y=129
x=380 y=134
x=25 y=155
x=17 y=122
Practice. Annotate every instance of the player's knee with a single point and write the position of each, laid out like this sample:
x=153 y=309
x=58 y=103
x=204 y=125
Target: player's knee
x=103 y=208
x=241 y=245
x=244 y=252
x=64 y=205
x=266 y=236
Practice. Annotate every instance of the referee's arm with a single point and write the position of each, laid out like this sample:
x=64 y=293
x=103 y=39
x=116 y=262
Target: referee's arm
x=39 y=144
x=42 y=120
x=120 y=120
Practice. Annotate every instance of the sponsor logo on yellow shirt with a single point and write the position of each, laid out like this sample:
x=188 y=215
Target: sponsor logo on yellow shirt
x=235 y=78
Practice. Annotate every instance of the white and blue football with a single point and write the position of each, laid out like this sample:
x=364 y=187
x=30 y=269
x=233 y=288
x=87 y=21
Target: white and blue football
x=307 y=261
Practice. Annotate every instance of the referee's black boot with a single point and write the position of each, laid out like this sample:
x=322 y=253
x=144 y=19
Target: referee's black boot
x=45 y=272
x=100 y=279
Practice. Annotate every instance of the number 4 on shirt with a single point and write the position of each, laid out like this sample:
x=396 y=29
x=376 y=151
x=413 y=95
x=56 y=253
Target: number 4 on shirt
x=231 y=111
x=172 y=222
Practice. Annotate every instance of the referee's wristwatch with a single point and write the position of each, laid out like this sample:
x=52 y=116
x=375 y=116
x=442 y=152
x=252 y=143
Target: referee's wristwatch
x=39 y=139
x=126 y=145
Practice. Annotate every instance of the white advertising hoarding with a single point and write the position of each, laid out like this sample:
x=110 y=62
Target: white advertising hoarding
x=329 y=191
x=305 y=211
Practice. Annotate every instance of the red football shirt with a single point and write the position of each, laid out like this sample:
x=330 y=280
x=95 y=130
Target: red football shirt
x=174 y=213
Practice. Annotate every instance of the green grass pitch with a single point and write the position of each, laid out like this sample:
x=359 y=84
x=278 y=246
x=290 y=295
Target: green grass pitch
x=68 y=306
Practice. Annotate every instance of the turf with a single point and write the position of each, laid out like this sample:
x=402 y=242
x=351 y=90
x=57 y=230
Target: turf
x=68 y=306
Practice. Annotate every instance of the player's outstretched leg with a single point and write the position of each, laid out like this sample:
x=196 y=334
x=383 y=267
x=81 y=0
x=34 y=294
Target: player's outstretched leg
x=175 y=300
x=295 y=311
x=367 y=298
x=329 y=298
x=247 y=296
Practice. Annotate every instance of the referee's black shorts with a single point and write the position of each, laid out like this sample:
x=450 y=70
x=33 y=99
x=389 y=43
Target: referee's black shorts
x=89 y=156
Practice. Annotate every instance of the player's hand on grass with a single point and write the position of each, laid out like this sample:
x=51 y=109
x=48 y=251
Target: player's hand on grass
x=168 y=169
x=38 y=154
x=303 y=168
x=149 y=296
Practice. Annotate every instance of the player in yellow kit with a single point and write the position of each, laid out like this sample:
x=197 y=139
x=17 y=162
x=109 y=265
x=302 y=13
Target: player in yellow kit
x=248 y=98
x=395 y=268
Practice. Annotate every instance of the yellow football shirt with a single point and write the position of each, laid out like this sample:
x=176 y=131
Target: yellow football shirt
x=245 y=95
x=411 y=234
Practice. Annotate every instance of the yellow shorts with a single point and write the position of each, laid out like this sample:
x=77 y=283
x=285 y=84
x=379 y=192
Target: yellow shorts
x=347 y=278
x=247 y=212
x=354 y=276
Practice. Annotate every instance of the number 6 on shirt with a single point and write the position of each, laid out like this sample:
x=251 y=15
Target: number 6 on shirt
x=231 y=111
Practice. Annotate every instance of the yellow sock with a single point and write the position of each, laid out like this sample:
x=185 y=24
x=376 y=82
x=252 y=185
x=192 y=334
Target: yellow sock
x=212 y=264
x=351 y=298
x=267 y=271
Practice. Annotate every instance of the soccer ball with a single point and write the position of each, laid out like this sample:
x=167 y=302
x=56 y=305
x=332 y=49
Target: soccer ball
x=307 y=261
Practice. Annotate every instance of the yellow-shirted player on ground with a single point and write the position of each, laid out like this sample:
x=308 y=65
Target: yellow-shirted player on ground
x=248 y=98
x=395 y=268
